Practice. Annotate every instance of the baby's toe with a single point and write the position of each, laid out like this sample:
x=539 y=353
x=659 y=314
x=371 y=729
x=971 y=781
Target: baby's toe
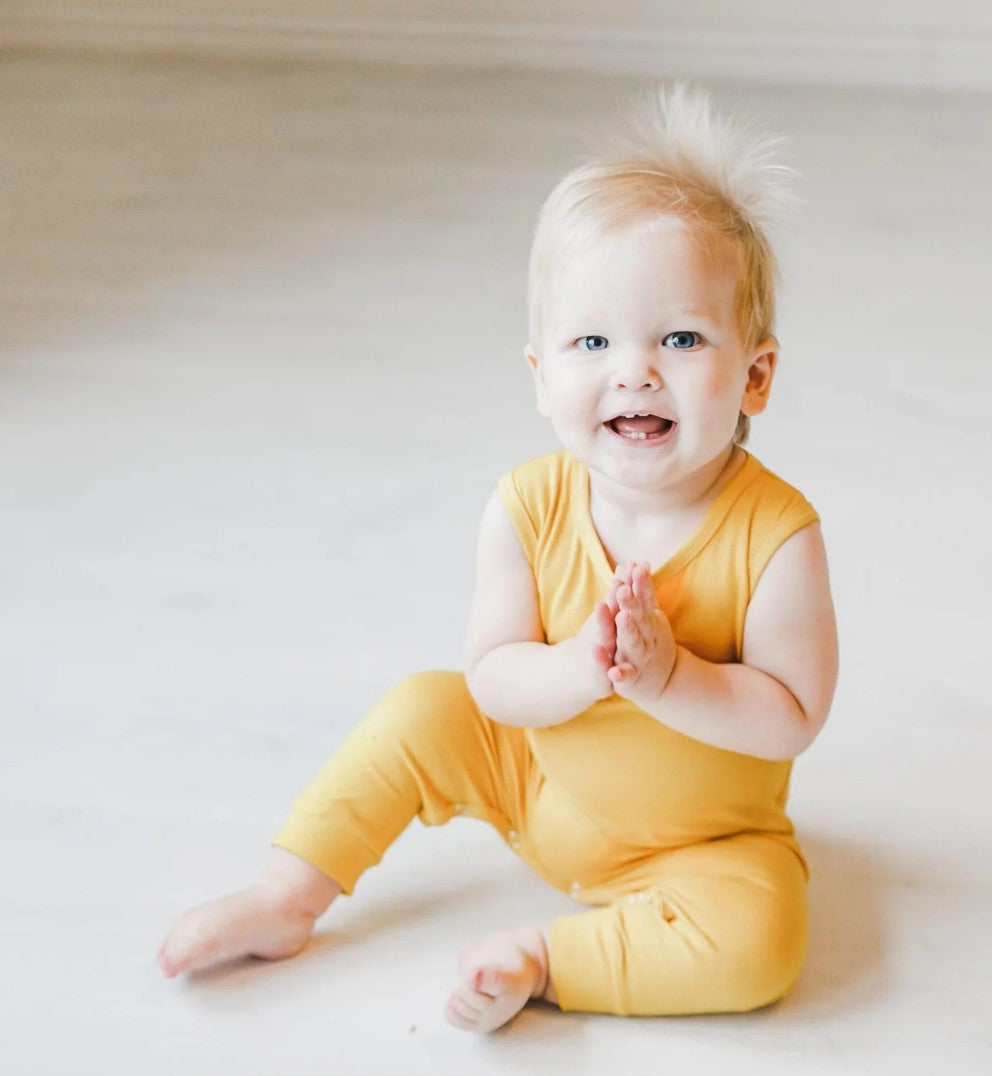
x=469 y=1000
x=464 y=1008
x=458 y=1017
x=488 y=983
x=171 y=958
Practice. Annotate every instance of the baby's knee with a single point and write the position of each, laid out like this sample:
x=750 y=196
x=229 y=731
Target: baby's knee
x=428 y=694
x=748 y=941
x=765 y=952
x=430 y=704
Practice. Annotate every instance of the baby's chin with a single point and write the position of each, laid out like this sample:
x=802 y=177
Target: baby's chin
x=641 y=463
x=637 y=476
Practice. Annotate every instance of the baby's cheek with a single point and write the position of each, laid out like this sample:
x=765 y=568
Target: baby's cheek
x=719 y=382
x=721 y=396
x=572 y=391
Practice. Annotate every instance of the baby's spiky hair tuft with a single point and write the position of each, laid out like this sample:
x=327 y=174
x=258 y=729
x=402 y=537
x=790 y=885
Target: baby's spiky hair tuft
x=678 y=131
x=678 y=158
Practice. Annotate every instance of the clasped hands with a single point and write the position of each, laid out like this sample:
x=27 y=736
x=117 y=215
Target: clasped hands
x=631 y=638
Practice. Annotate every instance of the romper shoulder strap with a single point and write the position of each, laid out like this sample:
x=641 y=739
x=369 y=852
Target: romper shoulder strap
x=773 y=511
x=532 y=494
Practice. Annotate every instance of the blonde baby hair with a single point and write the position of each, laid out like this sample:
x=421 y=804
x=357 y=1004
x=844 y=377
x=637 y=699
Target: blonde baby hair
x=679 y=159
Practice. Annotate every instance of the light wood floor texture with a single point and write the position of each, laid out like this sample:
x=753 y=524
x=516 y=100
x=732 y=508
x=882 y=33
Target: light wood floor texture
x=262 y=331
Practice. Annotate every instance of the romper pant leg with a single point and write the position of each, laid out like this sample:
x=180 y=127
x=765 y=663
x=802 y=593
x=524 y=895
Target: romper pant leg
x=423 y=750
x=717 y=927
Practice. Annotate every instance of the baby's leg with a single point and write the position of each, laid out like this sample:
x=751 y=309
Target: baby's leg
x=273 y=918
x=716 y=932
x=424 y=750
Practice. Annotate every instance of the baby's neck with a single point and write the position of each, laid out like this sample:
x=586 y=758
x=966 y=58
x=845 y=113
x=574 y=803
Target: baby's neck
x=697 y=491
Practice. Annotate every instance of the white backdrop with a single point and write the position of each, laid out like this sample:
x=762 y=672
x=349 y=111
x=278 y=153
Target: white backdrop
x=889 y=43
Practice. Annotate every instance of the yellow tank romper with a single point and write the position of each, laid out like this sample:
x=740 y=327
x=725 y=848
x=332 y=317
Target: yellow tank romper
x=684 y=849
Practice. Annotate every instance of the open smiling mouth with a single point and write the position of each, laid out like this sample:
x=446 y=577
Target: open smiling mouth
x=641 y=427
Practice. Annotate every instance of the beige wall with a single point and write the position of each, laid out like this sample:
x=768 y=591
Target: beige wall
x=886 y=42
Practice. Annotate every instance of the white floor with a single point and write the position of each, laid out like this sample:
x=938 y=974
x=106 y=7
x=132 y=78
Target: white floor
x=262 y=368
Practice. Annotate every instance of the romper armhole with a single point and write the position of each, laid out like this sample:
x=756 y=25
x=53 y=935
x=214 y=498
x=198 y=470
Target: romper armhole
x=521 y=519
x=793 y=519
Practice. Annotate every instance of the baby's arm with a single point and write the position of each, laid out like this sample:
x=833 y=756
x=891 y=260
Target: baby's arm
x=775 y=701
x=514 y=676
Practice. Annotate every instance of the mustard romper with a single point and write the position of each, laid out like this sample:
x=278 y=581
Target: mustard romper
x=683 y=851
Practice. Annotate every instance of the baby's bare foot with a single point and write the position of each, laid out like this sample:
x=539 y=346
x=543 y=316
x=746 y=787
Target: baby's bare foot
x=256 y=922
x=499 y=975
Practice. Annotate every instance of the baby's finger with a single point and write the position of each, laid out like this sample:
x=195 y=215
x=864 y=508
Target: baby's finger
x=626 y=596
x=630 y=647
x=605 y=623
x=634 y=633
x=644 y=587
x=611 y=598
x=639 y=633
x=603 y=657
x=626 y=671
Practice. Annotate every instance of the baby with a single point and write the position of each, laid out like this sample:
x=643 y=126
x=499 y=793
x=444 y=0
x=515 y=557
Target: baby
x=651 y=639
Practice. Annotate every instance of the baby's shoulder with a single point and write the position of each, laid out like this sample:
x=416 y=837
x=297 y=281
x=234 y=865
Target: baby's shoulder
x=768 y=511
x=536 y=492
x=768 y=494
x=541 y=480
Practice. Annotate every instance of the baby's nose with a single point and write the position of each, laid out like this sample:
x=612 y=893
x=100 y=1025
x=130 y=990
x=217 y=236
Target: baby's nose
x=650 y=382
x=637 y=370
x=644 y=377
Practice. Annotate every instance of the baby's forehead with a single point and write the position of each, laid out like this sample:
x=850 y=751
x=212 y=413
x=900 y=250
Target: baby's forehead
x=693 y=242
x=677 y=256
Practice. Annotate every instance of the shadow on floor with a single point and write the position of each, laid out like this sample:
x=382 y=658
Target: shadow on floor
x=847 y=945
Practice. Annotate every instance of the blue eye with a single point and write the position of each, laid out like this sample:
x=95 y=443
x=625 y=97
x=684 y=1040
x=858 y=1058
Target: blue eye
x=682 y=341
x=593 y=343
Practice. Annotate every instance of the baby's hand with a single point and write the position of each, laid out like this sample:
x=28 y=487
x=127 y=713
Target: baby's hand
x=594 y=647
x=645 y=646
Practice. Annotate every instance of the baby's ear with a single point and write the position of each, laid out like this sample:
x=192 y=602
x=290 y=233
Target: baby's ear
x=535 y=368
x=759 y=377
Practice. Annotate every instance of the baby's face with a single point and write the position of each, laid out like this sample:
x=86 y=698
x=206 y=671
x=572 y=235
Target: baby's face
x=643 y=323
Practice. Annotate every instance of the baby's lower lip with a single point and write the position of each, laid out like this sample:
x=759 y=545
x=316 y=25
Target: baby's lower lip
x=643 y=441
